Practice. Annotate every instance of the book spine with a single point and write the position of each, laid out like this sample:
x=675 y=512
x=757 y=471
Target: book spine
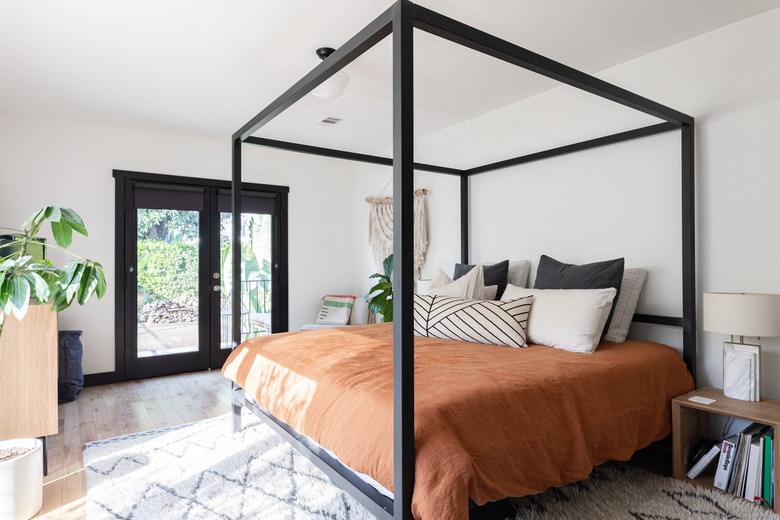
x=725 y=464
x=705 y=461
x=766 y=489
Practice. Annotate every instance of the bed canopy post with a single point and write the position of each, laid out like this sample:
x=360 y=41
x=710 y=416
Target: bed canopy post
x=464 y=218
x=235 y=203
x=689 y=248
x=403 y=254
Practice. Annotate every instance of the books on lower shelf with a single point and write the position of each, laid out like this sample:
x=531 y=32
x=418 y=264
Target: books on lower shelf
x=704 y=461
x=746 y=464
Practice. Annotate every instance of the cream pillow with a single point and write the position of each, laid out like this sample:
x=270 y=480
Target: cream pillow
x=567 y=319
x=471 y=286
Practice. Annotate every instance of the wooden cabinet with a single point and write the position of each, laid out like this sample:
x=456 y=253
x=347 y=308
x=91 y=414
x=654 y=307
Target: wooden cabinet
x=28 y=374
x=690 y=420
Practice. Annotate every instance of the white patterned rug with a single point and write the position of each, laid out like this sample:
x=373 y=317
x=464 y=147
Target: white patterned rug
x=202 y=471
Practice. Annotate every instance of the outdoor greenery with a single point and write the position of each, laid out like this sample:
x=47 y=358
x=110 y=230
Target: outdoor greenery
x=169 y=225
x=167 y=270
x=380 y=296
x=168 y=258
x=23 y=276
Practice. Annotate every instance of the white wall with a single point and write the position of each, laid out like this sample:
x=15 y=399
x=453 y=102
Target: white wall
x=70 y=164
x=729 y=80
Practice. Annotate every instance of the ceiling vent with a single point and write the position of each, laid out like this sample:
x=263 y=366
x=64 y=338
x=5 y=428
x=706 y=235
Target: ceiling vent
x=330 y=121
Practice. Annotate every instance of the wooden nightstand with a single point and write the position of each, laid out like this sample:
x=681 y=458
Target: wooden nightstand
x=689 y=419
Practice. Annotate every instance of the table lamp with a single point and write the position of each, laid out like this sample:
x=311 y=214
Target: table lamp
x=742 y=314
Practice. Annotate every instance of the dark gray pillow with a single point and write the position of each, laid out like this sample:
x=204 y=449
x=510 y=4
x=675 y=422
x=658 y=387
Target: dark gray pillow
x=553 y=274
x=495 y=274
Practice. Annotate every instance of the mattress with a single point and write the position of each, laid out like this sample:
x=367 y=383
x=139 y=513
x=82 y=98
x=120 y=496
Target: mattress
x=490 y=421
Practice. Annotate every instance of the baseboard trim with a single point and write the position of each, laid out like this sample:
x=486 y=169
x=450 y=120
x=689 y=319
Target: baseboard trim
x=103 y=378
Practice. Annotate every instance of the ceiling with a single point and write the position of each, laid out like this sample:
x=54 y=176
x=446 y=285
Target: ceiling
x=203 y=68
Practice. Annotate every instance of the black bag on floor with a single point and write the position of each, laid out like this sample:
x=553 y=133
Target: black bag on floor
x=70 y=379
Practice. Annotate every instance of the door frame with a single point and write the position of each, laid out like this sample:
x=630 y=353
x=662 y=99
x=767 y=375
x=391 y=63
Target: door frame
x=124 y=254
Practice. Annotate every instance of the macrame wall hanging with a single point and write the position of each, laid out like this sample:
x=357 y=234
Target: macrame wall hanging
x=380 y=230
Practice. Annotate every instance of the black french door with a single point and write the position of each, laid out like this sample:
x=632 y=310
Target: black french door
x=174 y=281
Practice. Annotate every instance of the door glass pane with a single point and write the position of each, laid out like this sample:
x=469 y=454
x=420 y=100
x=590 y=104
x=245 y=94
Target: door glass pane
x=255 y=276
x=167 y=264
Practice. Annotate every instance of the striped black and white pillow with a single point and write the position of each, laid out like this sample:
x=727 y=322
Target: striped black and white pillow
x=477 y=321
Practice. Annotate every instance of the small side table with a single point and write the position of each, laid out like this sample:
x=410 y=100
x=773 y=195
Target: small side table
x=689 y=419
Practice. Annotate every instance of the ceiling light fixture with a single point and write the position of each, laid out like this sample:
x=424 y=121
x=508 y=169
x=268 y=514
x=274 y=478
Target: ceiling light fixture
x=335 y=85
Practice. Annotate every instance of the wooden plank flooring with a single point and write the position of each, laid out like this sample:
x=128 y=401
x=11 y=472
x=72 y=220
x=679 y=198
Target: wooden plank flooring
x=101 y=412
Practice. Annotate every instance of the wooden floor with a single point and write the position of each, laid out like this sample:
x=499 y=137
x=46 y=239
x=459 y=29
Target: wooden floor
x=101 y=412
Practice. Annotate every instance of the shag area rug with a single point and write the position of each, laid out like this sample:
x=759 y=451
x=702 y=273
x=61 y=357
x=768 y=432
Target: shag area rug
x=203 y=471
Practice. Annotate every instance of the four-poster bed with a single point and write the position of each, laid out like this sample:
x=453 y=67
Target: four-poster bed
x=400 y=20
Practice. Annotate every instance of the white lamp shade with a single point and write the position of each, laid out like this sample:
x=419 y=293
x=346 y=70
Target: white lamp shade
x=332 y=87
x=742 y=314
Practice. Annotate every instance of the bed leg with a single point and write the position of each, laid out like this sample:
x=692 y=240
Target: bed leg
x=236 y=416
x=237 y=401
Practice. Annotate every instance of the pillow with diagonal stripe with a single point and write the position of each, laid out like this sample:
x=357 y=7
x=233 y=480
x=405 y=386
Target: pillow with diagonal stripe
x=476 y=321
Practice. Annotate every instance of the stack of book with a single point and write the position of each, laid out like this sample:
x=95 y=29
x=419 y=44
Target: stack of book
x=745 y=464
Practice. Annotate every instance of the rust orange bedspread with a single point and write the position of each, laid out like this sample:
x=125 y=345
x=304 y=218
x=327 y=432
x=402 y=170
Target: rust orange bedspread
x=490 y=421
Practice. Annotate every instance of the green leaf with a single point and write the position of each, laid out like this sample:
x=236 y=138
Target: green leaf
x=53 y=213
x=388 y=266
x=62 y=233
x=382 y=286
x=67 y=273
x=19 y=296
x=87 y=285
x=7 y=264
x=381 y=276
x=22 y=262
x=100 y=290
x=59 y=301
x=40 y=289
x=72 y=288
x=74 y=220
x=43 y=268
x=33 y=224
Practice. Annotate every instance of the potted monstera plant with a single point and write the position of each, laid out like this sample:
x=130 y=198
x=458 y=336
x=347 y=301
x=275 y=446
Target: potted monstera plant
x=26 y=275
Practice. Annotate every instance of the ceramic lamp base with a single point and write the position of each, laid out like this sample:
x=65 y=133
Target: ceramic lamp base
x=742 y=371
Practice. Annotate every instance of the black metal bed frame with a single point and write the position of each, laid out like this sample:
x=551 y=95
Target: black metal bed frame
x=400 y=20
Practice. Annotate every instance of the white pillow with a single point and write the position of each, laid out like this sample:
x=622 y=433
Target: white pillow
x=470 y=286
x=568 y=319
